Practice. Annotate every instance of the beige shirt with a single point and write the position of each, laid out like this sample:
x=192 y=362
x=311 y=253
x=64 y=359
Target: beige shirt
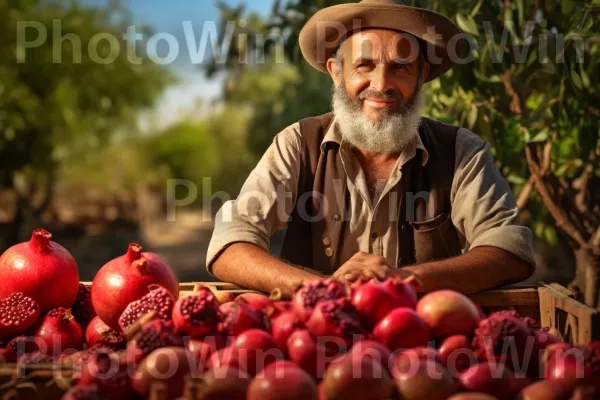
x=484 y=210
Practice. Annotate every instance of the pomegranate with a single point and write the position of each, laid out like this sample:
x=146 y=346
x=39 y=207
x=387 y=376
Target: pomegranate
x=428 y=380
x=578 y=365
x=494 y=379
x=335 y=318
x=499 y=334
x=82 y=309
x=59 y=330
x=17 y=313
x=310 y=294
x=225 y=383
x=40 y=269
x=203 y=349
x=374 y=300
x=81 y=392
x=110 y=373
x=410 y=360
x=151 y=336
x=255 y=349
x=126 y=279
x=22 y=345
x=472 y=396
x=98 y=333
x=197 y=314
x=256 y=300
x=284 y=322
x=310 y=354
x=225 y=357
x=543 y=390
x=238 y=317
x=457 y=354
x=448 y=313
x=283 y=380
x=375 y=350
x=167 y=364
x=157 y=299
x=401 y=329
x=361 y=378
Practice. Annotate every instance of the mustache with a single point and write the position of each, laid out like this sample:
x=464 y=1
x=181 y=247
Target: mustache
x=374 y=94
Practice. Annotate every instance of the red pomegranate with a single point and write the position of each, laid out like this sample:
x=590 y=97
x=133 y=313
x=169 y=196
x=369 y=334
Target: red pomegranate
x=168 y=365
x=17 y=313
x=40 y=269
x=127 y=279
x=427 y=381
x=457 y=354
x=310 y=294
x=410 y=360
x=21 y=345
x=203 y=349
x=238 y=317
x=336 y=318
x=577 y=365
x=375 y=350
x=255 y=349
x=363 y=378
x=448 y=313
x=107 y=371
x=225 y=383
x=225 y=357
x=83 y=309
x=402 y=329
x=59 y=330
x=493 y=379
x=543 y=390
x=283 y=380
x=307 y=352
x=374 y=300
x=81 y=392
x=256 y=300
x=284 y=322
x=198 y=314
x=151 y=336
x=98 y=333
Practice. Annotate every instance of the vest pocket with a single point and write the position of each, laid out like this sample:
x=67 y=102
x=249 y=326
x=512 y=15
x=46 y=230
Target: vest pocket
x=435 y=239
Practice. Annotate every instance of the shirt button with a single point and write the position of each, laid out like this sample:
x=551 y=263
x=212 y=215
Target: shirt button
x=337 y=217
x=373 y=236
x=326 y=241
x=329 y=252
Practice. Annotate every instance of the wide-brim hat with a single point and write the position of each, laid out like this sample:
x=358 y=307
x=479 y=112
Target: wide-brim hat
x=323 y=32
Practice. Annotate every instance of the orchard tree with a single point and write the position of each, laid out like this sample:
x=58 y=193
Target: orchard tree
x=59 y=99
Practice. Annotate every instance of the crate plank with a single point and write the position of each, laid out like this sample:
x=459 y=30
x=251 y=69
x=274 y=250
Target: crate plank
x=507 y=297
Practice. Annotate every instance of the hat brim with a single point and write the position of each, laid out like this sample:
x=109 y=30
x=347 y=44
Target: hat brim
x=321 y=36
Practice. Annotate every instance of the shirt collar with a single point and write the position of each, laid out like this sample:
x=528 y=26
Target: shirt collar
x=335 y=135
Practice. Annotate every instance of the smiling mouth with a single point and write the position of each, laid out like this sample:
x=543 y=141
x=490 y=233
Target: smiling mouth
x=381 y=103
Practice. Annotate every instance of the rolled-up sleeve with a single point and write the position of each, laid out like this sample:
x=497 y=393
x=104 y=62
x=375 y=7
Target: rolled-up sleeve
x=266 y=199
x=484 y=209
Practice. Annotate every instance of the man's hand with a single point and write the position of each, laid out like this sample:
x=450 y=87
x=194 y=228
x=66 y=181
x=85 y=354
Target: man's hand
x=365 y=265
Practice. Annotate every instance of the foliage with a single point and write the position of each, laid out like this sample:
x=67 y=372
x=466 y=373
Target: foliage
x=58 y=101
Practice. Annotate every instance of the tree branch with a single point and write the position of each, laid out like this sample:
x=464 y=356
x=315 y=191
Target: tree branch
x=562 y=220
x=525 y=194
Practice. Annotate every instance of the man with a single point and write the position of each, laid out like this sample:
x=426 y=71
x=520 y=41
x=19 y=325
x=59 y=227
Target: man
x=374 y=189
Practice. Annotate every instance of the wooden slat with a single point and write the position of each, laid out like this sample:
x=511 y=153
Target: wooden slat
x=506 y=297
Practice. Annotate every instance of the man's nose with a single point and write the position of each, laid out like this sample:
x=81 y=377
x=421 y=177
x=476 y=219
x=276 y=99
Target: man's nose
x=382 y=80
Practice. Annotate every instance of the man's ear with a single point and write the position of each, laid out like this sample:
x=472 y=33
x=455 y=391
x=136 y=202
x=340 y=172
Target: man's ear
x=426 y=70
x=334 y=70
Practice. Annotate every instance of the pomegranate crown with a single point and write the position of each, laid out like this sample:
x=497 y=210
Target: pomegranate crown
x=135 y=255
x=40 y=239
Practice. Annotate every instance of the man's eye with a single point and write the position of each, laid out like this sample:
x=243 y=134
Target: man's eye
x=364 y=66
x=400 y=66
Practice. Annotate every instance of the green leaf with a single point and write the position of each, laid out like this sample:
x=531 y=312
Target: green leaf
x=467 y=24
x=585 y=79
x=489 y=79
x=472 y=117
x=516 y=179
x=550 y=235
x=521 y=11
x=576 y=79
x=539 y=137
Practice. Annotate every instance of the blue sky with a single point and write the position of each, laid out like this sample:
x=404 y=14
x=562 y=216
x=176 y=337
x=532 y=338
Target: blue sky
x=167 y=16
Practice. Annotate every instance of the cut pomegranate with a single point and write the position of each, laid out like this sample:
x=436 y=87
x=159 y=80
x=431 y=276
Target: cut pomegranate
x=158 y=299
x=17 y=314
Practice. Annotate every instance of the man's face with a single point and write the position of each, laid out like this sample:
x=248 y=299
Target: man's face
x=380 y=71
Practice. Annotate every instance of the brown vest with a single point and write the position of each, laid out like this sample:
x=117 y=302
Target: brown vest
x=425 y=230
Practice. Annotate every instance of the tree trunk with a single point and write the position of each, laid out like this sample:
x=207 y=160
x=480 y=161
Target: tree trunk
x=587 y=276
x=13 y=231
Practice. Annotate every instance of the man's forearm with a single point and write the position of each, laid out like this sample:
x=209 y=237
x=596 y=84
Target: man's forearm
x=251 y=267
x=480 y=269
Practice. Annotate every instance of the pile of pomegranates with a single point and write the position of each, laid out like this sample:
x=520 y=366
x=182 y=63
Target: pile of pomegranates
x=131 y=336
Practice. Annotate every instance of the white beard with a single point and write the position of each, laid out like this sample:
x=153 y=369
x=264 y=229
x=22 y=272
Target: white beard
x=390 y=135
